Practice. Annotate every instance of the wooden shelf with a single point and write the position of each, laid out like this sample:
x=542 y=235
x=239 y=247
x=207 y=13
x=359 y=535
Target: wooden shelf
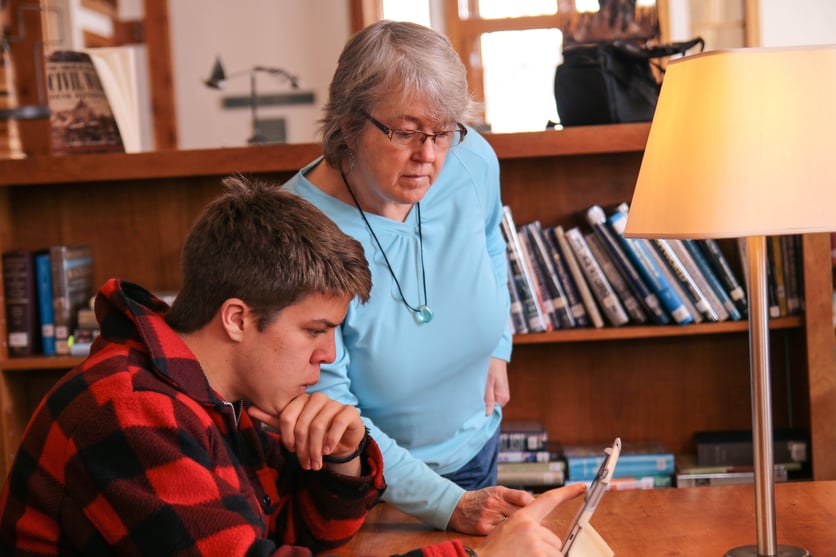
x=585 y=384
x=40 y=363
x=651 y=331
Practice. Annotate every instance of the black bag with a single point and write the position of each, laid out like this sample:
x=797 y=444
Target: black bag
x=612 y=82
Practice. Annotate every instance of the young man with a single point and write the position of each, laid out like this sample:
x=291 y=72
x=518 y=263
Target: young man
x=153 y=445
x=189 y=431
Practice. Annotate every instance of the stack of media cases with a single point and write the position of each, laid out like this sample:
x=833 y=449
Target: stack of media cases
x=527 y=458
x=641 y=465
x=587 y=274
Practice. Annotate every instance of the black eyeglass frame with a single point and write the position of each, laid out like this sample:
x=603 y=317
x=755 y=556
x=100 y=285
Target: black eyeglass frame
x=389 y=132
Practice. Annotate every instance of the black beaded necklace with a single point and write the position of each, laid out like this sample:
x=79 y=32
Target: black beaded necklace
x=423 y=314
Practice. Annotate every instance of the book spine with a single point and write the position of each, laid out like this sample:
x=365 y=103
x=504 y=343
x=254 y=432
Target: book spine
x=72 y=284
x=674 y=282
x=631 y=304
x=791 y=256
x=21 y=304
x=640 y=255
x=530 y=478
x=43 y=274
x=522 y=279
x=598 y=221
x=573 y=295
x=686 y=280
x=629 y=465
x=524 y=456
x=577 y=274
x=699 y=271
x=542 y=466
x=554 y=287
x=598 y=282
x=776 y=265
x=518 y=324
x=711 y=249
x=539 y=281
x=715 y=285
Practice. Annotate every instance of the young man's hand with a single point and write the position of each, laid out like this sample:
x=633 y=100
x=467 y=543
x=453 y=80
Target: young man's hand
x=313 y=425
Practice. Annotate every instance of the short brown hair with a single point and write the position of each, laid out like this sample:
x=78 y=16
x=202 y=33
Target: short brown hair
x=268 y=247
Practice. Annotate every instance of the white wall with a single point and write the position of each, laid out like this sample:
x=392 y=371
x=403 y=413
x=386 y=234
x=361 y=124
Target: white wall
x=800 y=22
x=303 y=37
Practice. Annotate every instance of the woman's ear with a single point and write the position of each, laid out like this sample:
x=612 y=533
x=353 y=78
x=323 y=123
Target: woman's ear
x=234 y=314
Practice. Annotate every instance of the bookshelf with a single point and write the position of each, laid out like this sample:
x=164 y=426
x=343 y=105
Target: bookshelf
x=587 y=385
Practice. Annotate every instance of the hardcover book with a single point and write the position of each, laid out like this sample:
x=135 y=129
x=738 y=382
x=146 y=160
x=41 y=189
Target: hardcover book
x=597 y=219
x=72 y=288
x=639 y=459
x=631 y=304
x=712 y=251
x=641 y=256
x=81 y=119
x=713 y=280
x=21 y=303
x=686 y=279
x=561 y=267
x=543 y=258
x=735 y=447
x=43 y=276
x=598 y=283
x=532 y=310
x=580 y=279
x=539 y=280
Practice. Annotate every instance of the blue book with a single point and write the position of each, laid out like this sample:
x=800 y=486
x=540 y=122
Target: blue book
x=713 y=280
x=643 y=459
x=639 y=253
x=43 y=278
x=598 y=221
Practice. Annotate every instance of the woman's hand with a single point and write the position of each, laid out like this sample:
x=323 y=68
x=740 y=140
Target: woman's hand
x=479 y=512
x=497 y=390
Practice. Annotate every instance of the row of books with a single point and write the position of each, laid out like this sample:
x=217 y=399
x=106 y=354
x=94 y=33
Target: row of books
x=593 y=276
x=723 y=457
x=44 y=292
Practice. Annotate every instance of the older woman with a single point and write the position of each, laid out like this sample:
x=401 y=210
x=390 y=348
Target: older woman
x=425 y=359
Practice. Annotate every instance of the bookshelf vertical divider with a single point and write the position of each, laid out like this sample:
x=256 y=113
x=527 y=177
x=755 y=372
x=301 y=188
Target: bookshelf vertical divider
x=640 y=383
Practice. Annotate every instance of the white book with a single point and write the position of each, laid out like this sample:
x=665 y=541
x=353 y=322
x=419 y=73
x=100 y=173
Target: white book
x=686 y=279
x=701 y=280
x=123 y=71
x=580 y=280
x=598 y=283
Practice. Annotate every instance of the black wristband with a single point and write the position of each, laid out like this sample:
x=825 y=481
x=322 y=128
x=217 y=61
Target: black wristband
x=470 y=551
x=343 y=459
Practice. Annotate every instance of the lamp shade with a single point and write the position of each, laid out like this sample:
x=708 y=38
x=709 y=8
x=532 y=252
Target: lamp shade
x=743 y=143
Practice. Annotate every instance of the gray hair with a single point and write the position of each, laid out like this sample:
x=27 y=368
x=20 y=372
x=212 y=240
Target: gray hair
x=392 y=58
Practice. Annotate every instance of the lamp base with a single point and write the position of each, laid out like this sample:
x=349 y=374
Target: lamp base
x=752 y=551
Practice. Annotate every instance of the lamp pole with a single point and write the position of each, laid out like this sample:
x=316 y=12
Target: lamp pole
x=257 y=137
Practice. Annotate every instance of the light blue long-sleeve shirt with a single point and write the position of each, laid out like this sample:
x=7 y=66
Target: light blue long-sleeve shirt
x=421 y=387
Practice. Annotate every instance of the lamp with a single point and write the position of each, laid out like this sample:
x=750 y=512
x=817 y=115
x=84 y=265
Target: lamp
x=741 y=145
x=217 y=80
x=40 y=110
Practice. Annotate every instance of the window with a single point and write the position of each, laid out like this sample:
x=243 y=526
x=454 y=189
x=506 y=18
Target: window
x=511 y=49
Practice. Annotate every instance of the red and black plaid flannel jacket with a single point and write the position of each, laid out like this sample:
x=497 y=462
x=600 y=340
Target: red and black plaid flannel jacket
x=132 y=453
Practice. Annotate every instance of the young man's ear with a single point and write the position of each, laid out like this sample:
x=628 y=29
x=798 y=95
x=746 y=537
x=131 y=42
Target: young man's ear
x=235 y=316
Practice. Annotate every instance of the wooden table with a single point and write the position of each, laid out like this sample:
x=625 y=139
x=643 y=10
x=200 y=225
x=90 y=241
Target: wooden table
x=696 y=521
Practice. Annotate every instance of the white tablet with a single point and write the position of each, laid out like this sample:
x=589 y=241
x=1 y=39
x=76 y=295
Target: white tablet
x=593 y=495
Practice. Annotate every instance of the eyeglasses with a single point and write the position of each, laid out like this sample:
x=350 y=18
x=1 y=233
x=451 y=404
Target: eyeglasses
x=411 y=139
